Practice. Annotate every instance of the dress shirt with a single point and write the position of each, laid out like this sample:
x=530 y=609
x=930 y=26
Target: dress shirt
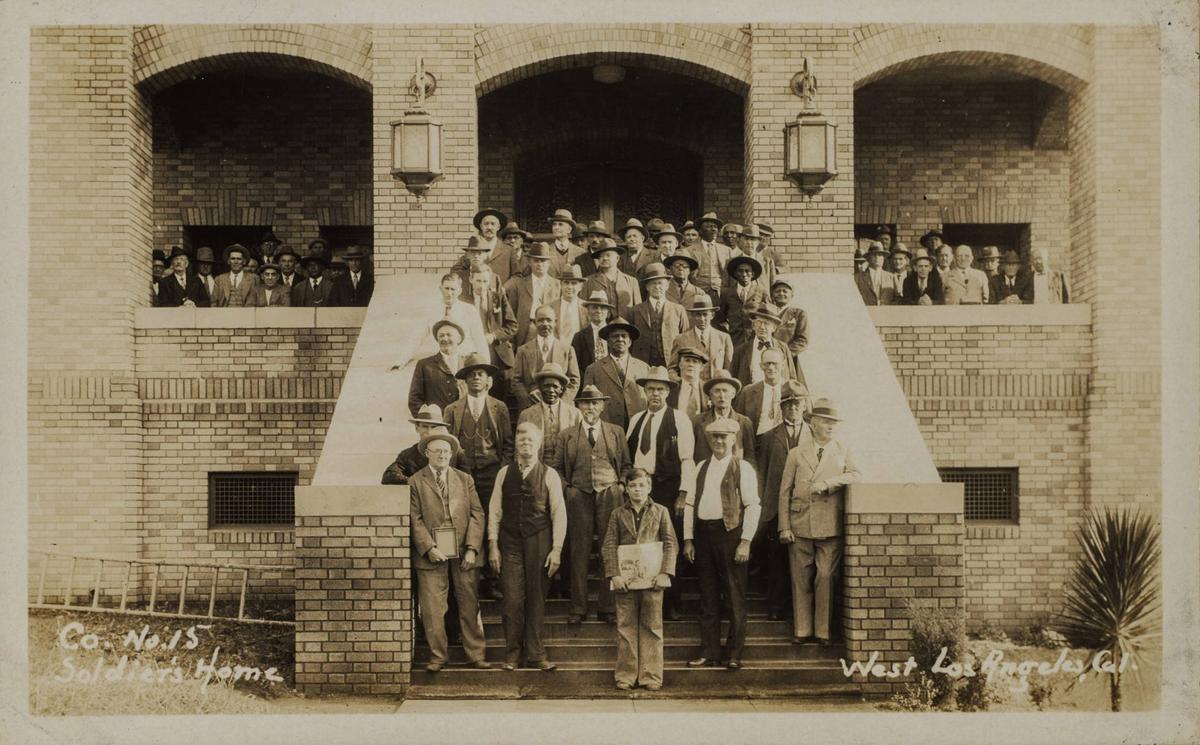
x=538 y=291
x=208 y=282
x=622 y=363
x=558 y=507
x=235 y=279
x=181 y=280
x=354 y=278
x=876 y=280
x=568 y=318
x=708 y=502
x=287 y=279
x=647 y=460
x=756 y=373
x=769 y=417
x=689 y=393
x=476 y=404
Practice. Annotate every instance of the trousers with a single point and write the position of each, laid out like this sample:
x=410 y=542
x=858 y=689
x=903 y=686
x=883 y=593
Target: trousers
x=665 y=491
x=806 y=554
x=433 y=590
x=772 y=556
x=524 y=583
x=715 y=548
x=588 y=514
x=639 y=637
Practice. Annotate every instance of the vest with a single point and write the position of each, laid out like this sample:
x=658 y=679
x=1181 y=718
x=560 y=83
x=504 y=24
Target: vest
x=525 y=503
x=656 y=342
x=593 y=465
x=478 y=439
x=666 y=453
x=550 y=430
x=731 y=494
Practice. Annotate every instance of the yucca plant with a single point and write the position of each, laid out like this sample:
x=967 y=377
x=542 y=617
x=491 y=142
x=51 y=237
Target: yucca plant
x=1112 y=600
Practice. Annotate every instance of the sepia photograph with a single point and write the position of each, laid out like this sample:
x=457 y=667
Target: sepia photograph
x=615 y=368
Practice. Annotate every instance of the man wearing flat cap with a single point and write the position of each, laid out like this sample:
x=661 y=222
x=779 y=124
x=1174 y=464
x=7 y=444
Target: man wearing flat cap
x=563 y=252
x=658 y=320
x=636 y=255
x=411 y=459
x=235 y=287
x=622 y=290
x=712 y=254
x=719 y=521
x=812 y=497
x=433 y=380
x=714 y=342
x=616 y=375
x=447 y=521
x=550 y=412
x=533 y=356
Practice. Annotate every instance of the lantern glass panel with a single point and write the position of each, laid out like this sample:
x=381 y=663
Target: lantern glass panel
x=435 y=148
x=414 y=152
x=812 y=148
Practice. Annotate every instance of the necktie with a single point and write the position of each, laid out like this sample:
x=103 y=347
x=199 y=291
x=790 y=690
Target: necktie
x=441 y=484
x=237 y=278
x=313 y=282
x=769 y=402
x=354 y=280
x=644 y=439
x=592 y=436
x=445 y=314
x=820 y=452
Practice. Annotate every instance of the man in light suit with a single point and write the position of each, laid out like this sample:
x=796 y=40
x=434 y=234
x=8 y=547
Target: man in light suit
x=588 y=342
x=315 y=291
x=747 y=358
x=235 y=287
x=712 y=255
x=877 y=285
x=622 y=289
x=658 y=320
x=811 y=501
x=444 y=497
x=536 y=353
x=572 y=315
x=550 y=412
x=715 y=343
x=269 y=292
x=963 y=284
x=617 y=374
x=528 y=293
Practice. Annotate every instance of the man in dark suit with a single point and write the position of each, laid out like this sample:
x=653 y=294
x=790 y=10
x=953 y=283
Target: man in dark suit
x=593 y=238
x=1012 y=286
x=658 y=320
x=354 y=287
x=747 y=366
x=536 y=353
x=529 y=292
x=433 y=380
x=923 y=285
x=588 y=343
x=499 y=323
x=617 y=374
x=721 y=390
x=179 y=288
x=793 y=321
x=760 y=401
x=316 y=291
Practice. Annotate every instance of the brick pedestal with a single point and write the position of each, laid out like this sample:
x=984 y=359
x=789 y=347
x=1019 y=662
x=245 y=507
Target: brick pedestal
x=903 y=541
x=354 y=607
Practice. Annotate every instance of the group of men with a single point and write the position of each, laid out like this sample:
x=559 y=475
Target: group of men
x=269 y=275
x=602 y=371
x=888 y=273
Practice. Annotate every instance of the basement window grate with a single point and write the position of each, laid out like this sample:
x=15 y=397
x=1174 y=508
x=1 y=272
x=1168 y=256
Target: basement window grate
x=989 y=494
x=251 y=498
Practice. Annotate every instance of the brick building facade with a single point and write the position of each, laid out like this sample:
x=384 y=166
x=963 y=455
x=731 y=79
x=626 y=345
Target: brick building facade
x=143 y=134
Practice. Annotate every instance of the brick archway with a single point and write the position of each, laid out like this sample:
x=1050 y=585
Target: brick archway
x=715 y=54
x=165 y=55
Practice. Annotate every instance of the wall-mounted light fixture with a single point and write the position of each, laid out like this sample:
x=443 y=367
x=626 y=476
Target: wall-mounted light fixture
x=417 y=139
x=810 y=142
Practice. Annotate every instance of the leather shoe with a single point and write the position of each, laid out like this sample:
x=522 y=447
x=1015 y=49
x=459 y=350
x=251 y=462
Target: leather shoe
x=702 y=662
x=481 y=665
x=433 y=667
x=822 y=641
x=654 y=686
x=623 y=686
x=510 y=666
x=545 y=665
x=733 y=665
x=574 y=618
x=802 y=640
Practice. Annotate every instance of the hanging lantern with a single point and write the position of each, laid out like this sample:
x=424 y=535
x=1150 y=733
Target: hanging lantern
x=810 y=142
x=417 y=140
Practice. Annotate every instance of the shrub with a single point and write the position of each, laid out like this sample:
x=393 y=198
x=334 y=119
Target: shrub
x=935 y=628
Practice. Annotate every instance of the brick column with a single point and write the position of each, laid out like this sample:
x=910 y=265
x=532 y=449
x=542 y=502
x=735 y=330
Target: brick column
x=903 y=541
x=354 y=608
x=816 y=234
x=412 y=236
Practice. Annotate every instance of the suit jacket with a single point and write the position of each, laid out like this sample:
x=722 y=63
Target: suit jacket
x=773 y=449
x=965 y=287
x=408 y=462
x=998 y=289
x=570 y=440
x=690 y=409
x=345 y=294
x=520 y=296
x=683 y=295
x=171 y=295
x=743 y=447
x=793 y=331
x=584 y=344
x=624 y=292
x=933 y=289
x=277 y=296
x=732 y=310
x=1057 y=283
x=815 y=515
x=427 y=513
x=709 y=277
x=749 y=401
x=211 y=280
x=432 y=383
x=889 y=291
x=674 y=323
x=304 y=296
x=623 y=530
x=567 y=327
x=634 y=268
x=529 y=361
x=568 y=416
x=627 y=397
x=455 y=415
x=224 y=293
x=743 y=353
x=504 y=263
x=560 y=262
x=586 y=263
x=499 y=320
x=719 y=349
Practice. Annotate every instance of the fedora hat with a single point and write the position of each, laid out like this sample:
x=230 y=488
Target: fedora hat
x=437 y=326
x=709 y=217
x=354 y=252
x=875 y=247
x=315 y=259
x=204 y=255
x=750 y=231
x=989 y=252
x=539 y=250
x=572 y=273
x=737 y=261
x=900 y=248
x=619 y=324
x=599 y=297
x=722 y=376
x=633 y=224
x=234 y=247
x=765 y=228
x=429 y=414
x=286 y=250
x=159 y=255
x=823 y=408
x=767 y=311
x=682 y=255
x=1011 y=257
x=597 y=227
x=444 y=437
x=500 y=216
x=668 y=229
x=513 y=228
x=860 y=254
x=563 y=215
x=653 y=271
x=177 y=251
x=269 y=237
x=921 y=254
x=881 y=230
x=590 y=393
x=476 y=362
x=267 y=264
x=731 y=227
x=722 y=427
x=935 y=233
x=688 y=225
x=657 y=375
x=701 y=303
x=474 y=244
x=792 y=390
x=608 y=244
x=655 y=226
x=551 y=370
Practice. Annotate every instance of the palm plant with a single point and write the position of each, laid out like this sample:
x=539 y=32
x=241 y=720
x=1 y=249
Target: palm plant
x=1112 y=601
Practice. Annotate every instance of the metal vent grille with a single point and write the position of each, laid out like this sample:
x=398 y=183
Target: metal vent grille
x=251 y=498
x=989 y=494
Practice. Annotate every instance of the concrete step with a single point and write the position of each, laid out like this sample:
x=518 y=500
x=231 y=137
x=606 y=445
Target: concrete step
x=756 y=605
x=757 y=626
x=674 y=650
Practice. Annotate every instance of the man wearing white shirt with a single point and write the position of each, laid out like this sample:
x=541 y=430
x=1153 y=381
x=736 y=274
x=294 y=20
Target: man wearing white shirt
x=719 y=523
x=712 y=341
x=204 y=267
x=877 y=285
x=571 y=313
x=689 y=396
x=287 y=258
x=588 y=343
x=760 y=401
x=233 y=289
x=465 y=314
x=527 y=525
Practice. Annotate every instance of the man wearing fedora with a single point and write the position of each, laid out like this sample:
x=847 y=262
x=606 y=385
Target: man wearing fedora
x=877 y=285
x=616 y=374
x=1013 y=286
x=433 y=380
x=719 y=521
x=499 y=324
x=572 y=316
x=499 y=256
x=234 y=288
x=443 y=497
x=588 y=342
x=964 y=284
x=536 y=353
x=267 y=247
x=180 y=288
x=563 y=252
x=204 y=269
x=715 y=343
x=681 y=290
x=590 y=457
x=860 y=260
x=688 y=396
x=712 y=254
x=411 y=459
x=622 y=289
x=268 y=292
x=474 y=260
x=749 y=243
x=900 y=259
x=923 y=286
x=657 y=319
x=793 y=321
x=355 y=287
x=636 y=255
x=316 y=290
x=989 y=262
x=662 y=443
x=811 y=502
x=550 y=412
x=721 y=389
x=768 y=555
x=527 y=526
x=740 y=296
x=528 y=293
x=289 y=266
x=932 y=240
x=668 y=240
x=594 y=236
x=747 y=357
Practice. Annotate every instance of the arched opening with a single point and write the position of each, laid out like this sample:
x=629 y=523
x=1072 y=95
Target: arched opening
x=651 y=143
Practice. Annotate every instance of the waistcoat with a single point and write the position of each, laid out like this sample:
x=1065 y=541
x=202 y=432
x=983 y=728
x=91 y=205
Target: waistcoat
x=731 y=494
x=525 y=503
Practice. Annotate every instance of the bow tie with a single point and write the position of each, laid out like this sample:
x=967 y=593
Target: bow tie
x=764 y=344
